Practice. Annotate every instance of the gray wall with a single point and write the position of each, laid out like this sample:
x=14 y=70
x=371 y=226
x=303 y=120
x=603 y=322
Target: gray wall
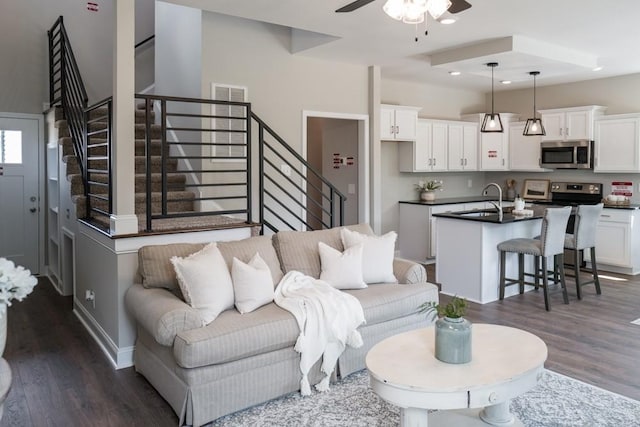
x=24 y=50
x=281 y=85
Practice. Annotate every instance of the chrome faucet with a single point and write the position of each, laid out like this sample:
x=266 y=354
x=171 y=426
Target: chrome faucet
x=497 y=205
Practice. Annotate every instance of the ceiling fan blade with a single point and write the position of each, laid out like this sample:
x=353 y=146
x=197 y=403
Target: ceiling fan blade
x=458 y=6
x=355 y=5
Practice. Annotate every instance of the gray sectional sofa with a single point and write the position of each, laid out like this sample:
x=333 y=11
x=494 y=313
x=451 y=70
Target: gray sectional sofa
x=240 y=360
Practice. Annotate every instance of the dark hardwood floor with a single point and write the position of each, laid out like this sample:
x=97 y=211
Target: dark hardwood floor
x=62 y=378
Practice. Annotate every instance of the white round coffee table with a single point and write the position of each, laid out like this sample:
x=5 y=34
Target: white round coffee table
x=506 y=362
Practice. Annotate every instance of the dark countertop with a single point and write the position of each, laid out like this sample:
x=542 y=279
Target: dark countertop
x=451 y=200
x=632 y=207
x=490 y=216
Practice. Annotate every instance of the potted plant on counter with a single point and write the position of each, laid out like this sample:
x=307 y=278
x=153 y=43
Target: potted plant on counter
x=427 y=189
x=453 y=331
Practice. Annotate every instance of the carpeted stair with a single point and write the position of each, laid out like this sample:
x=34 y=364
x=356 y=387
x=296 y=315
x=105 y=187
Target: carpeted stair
x=179 y=198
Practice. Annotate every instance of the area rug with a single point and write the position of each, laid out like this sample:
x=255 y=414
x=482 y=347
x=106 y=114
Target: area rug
x=556 y=401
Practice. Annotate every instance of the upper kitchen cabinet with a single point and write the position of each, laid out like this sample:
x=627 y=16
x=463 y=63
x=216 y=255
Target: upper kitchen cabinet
x=524 y=151
x=398 y=123
x=617 y=143
x=463 y=146
x=570 y=123
x=494 y=147
x=429 y=151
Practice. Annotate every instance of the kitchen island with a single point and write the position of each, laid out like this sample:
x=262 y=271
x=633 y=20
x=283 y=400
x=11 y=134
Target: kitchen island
x=468 y=261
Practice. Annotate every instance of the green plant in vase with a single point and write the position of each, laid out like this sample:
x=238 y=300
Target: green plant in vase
x=452 y=330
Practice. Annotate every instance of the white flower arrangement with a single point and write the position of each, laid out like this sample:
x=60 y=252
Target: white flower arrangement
x=429 y=185
x=16 y=282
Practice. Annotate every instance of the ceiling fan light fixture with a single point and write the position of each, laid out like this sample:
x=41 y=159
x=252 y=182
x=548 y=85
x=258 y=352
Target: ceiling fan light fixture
x=394 y=8
x=492 y=121
x=437 y=8
x=534 y=126
x=448 y=20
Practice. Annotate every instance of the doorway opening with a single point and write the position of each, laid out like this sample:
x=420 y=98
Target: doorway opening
x=337 y=145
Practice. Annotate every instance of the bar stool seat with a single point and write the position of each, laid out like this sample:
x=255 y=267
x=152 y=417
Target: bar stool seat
x=584 y=237
x=550 y=243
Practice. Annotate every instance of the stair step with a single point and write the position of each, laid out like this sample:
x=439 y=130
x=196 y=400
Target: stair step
x=67 y=146
x=177 y=202
x=140 y=164
x=174 y=183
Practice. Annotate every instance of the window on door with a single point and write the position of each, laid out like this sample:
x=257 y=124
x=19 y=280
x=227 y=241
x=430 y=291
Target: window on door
x=11 y=146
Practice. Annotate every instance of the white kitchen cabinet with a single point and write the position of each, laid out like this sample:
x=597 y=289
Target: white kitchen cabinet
x=398 y=123
x=463 y=146
x=428 y=153
x=524 y=151
x=493 y=146
x=617 y=241
x=416 y=230
x=617 y=143
x=570 y=123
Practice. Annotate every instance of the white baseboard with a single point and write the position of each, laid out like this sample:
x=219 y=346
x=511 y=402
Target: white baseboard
x=119 y=357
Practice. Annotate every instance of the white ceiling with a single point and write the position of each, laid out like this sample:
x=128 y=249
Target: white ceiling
x=559 y=38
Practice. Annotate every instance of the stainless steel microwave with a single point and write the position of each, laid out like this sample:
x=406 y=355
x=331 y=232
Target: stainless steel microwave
x=566 y=154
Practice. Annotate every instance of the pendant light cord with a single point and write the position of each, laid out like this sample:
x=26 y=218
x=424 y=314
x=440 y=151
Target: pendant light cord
x=492 y=68
x=534 y=96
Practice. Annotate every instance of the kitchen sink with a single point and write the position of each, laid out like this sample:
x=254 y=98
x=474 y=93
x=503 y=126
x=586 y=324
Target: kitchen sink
x=478 y=213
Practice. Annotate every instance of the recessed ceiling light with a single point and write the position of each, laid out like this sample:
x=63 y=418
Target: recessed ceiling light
x=505 y=82
x=448 y=21
x=454 y=73
x=597 y=69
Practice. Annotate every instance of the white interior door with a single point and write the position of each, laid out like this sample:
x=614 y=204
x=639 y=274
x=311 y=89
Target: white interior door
x=19 y=198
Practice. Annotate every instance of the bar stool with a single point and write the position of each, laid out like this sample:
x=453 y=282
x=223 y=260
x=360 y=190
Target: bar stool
x=584 y=237
x=550 y=243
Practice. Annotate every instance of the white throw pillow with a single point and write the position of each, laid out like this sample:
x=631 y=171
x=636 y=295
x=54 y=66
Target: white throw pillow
x=377 y=254
x=342 y=270
x=205 y=281
x=252 y=283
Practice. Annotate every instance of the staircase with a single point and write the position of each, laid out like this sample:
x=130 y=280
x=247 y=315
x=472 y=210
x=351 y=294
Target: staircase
x=200 y=164
x=180 y=200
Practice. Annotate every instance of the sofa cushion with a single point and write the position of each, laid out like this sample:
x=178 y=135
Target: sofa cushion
x=387 y=301
x=155 y=267
x=252 y=284
x=298 y=250
x=245 y=249
x=342 y=270
x=377 y=254
x=205 y=281
x=233 y=336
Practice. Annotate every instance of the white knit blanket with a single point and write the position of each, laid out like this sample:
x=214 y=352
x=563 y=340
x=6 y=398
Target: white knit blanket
x=328 y=320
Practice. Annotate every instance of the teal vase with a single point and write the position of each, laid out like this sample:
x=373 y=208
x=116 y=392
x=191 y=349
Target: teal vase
x=453 y=340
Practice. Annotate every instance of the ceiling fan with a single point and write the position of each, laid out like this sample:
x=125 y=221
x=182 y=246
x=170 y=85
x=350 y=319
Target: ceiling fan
x=457 y=6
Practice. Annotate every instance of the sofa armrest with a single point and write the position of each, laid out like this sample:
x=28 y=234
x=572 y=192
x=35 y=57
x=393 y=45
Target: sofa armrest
x=408 y=271
x=161 y=313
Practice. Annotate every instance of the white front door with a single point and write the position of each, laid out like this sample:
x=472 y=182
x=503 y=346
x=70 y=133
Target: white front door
x=19 y=198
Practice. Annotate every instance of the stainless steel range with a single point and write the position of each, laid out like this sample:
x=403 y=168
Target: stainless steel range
x=574 y=194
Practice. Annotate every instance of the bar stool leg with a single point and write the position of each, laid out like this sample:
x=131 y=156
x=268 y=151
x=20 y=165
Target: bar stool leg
x=503 y=259
x=536 y=271
x=594 y=271
x=576 y=271
x=545 y=283
x=521 y=273
x=563 y=283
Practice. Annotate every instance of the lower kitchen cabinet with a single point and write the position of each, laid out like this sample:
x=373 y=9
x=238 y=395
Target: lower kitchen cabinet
x=618 y=241
x=416 y=231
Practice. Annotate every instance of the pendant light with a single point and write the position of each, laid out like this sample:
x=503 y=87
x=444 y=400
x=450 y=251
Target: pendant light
x=534 y=125
x=492 y=121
